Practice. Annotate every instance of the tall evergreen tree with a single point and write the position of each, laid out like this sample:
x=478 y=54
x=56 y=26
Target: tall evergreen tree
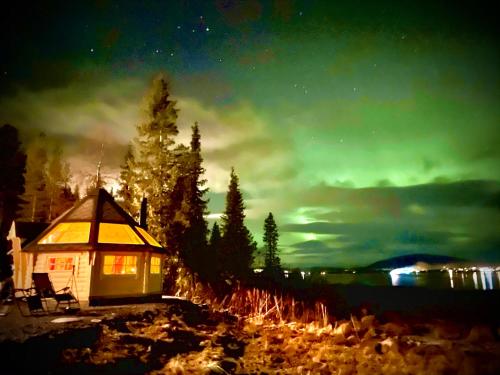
x=12 y=168
x=213 y=250
x=215 y=240
x=237 y=245
x=194 y=239
x=35 y=197
x=128 y=192
x=156 y=160
x=270 y=238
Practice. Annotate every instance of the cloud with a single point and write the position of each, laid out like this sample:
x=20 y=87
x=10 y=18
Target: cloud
x=83 y=115
x=352 y=226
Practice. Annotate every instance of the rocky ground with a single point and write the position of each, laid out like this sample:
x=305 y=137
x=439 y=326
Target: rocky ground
x=180 y=337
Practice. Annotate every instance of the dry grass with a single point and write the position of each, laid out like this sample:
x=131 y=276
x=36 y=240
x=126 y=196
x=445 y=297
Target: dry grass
x=287 y=336
x=263 y=307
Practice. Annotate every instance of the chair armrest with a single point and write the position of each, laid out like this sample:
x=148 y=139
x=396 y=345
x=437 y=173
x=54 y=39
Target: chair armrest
x=65 y=289
x=26 y=291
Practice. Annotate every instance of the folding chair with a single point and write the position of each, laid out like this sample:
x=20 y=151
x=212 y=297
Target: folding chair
x=31 y=301
x=44 y=288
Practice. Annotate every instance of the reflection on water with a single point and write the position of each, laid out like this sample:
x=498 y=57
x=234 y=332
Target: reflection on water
x=480 y=279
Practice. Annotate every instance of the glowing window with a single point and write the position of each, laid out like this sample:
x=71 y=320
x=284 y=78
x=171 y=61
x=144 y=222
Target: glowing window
x=119 y=265
x=67 y=233
x=60 y=263
x=148 y=237
x=155 y=265
x=118 y=233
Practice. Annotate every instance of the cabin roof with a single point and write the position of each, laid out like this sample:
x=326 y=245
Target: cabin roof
x=96 y=222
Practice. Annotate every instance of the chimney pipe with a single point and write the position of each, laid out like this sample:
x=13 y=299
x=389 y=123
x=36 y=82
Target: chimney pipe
x=144 y=213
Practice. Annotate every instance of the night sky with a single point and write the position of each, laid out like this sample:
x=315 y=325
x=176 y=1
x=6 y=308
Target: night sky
x=369 y=129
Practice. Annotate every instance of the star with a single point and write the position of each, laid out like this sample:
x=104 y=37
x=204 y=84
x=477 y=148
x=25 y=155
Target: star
x=171 y=53
x=300 y=14
x=92 y=50
x=157 y=51
x=178 y=27
x=207 y=29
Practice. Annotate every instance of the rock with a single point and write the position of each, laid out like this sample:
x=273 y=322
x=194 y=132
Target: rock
x=367 y=322
x=229 y=365
x=343 y=329
x=394 y=329
x=369 y=334
x=352 y=340
x=231 y=345
x=447 y=331
x=480 y=334
x=388 y=345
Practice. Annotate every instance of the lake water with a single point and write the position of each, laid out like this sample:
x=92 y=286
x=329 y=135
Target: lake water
x=479 y=280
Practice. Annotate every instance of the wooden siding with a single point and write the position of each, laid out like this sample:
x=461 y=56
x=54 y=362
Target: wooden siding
x=61 y=279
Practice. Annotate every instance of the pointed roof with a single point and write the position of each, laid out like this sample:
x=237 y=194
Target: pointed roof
x=97 y=222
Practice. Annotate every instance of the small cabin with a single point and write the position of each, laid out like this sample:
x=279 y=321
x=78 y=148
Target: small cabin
x=98 y=250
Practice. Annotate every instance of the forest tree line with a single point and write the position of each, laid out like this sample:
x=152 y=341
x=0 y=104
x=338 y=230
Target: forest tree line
x=35 y=186
x=170 y=176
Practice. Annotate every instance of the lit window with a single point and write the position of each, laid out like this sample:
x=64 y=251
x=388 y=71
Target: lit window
x=60 y=263
x=155 y=265
x=118 y=233
x=119 y=265
x=67 y=233
x=148 y=237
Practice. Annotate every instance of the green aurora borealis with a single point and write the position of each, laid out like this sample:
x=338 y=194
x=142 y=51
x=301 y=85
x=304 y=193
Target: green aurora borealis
x=369 y=129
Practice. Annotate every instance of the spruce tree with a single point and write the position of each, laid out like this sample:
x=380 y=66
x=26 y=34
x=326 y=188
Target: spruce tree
x=156 y=160
x=128 y=184
x=213 y=250
x=237 y=245
x=12 y=168
x=194 y=239
x=270 y=238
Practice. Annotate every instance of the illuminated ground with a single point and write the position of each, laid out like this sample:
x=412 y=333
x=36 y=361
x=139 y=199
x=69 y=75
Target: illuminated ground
x=180 y=337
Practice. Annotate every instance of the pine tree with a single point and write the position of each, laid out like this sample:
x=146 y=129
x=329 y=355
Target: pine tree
x=35 y=196
x=213 y=249
x=12 y=168
x=128 y=184
x=194 y=239
x=156 y=159
x=237 y=245
x=270 y=238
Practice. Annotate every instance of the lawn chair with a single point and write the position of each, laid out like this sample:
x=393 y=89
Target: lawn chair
x=29 y=302
x=43 y=287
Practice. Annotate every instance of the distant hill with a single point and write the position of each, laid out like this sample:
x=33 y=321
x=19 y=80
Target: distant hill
x=409 y=260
